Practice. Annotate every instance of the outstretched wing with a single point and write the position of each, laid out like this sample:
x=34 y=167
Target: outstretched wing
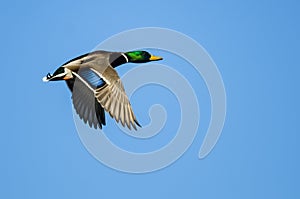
x=113 y=98
x=83 y=97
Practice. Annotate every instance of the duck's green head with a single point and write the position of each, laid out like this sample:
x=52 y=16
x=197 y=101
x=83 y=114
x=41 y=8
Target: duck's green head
x=141 y=57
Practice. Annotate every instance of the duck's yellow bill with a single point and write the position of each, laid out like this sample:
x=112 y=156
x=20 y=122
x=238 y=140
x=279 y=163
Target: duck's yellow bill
x=155 y=58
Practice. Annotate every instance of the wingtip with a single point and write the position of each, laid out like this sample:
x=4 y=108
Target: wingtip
x=137 y=123
x=134 y=125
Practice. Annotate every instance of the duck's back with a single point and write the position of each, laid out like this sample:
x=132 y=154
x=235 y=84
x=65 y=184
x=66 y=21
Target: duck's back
x=99 y=60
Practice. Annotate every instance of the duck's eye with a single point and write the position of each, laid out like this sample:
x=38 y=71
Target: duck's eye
x=146 y=55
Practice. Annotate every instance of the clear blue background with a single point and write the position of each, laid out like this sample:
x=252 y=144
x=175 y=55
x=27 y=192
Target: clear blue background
x=256 y=47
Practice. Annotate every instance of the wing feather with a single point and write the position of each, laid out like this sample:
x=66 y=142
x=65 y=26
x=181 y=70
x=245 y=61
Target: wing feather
x=114 y=100
x=85 y=104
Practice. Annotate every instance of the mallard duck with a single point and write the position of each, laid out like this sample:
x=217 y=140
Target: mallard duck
x=96 y=85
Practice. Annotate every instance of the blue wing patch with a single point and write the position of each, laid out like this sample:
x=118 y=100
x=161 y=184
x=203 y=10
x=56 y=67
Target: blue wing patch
x=91 y=78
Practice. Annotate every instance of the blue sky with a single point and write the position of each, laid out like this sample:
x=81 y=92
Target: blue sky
x=256 y=48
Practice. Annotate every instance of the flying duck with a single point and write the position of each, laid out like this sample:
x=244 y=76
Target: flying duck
x=96 y=85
